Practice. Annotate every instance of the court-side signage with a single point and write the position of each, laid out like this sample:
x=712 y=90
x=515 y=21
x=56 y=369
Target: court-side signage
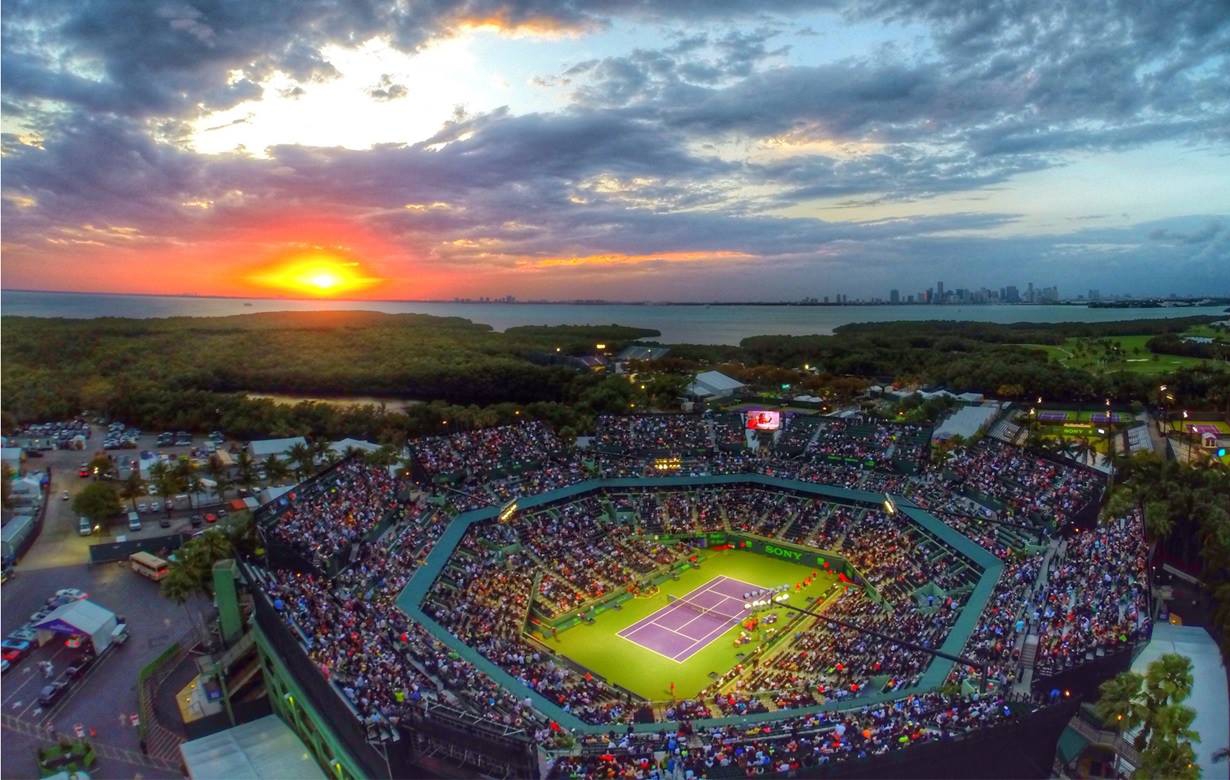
x=782 y=552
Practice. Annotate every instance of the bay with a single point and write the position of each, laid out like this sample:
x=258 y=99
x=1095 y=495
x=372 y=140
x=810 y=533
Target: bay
x=678 y=323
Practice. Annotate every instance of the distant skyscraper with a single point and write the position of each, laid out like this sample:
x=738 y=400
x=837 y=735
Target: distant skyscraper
x=894 y=296
x=1029 y=293
x=1012 y=294
x=1095 y=295
x=939 y=292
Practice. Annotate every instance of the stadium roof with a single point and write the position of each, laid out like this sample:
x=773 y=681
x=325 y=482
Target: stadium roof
x=263 y=448
x=965 y=422
x=713 y=383
x=263 y=749
x=638 y=352
x=343 y=445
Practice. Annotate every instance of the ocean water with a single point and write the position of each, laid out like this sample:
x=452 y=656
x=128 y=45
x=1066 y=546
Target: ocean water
x=677 y=324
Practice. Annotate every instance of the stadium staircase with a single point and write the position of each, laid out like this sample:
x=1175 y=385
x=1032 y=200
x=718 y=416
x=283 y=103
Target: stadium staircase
x=1029 y=645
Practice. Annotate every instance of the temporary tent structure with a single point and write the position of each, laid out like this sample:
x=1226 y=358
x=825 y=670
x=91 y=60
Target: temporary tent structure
x=81 y=617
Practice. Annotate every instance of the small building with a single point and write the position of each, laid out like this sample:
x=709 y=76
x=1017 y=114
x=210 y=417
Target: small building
x=261 y=449
x=12 y=457
x=343 y=446
x=263 y=749
x=711 y=385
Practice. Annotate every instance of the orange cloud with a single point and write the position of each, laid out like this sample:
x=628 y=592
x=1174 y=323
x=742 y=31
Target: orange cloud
x=530 y=27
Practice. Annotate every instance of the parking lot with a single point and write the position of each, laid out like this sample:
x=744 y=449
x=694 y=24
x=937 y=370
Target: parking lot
x=103 y=699
x=60 y=524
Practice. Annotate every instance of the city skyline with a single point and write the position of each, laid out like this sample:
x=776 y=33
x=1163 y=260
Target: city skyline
x=561 y=151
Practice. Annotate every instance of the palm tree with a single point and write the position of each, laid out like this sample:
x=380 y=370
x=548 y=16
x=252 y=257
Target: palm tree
x=190 y=477
x=301 y=455
x=165 y=480
x=275 y=469
x=245 y=469
x=1117 y=704
x=179 y=587
x=320 y=449
x=133 y=488
x=384 y=457
x=223 y=483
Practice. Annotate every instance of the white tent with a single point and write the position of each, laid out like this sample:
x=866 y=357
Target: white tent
x=81 y=617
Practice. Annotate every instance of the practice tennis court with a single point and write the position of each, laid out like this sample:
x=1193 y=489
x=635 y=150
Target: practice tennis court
x=683 y=627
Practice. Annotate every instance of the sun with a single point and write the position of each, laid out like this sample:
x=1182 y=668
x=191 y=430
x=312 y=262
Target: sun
x=319 y=274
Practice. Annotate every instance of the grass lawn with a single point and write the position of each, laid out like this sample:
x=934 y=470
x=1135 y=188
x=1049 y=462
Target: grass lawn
x=599 y=647
x=1088 y=354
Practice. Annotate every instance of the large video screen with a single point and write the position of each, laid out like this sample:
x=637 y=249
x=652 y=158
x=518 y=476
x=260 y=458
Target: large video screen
x=764 y=421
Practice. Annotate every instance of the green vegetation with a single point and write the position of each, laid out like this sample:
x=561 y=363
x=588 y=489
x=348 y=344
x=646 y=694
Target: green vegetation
x=196 y=373
x=1153 y=703
x=193 y=373
x=98 y=501
x=1187 y=510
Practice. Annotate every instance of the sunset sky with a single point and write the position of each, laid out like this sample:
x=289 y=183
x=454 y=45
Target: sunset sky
x=618 y=149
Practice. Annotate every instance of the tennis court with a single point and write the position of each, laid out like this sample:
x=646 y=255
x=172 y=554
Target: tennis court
x=686 y=625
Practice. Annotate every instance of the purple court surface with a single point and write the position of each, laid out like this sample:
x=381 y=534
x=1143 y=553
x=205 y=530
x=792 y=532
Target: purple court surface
x=679 y=630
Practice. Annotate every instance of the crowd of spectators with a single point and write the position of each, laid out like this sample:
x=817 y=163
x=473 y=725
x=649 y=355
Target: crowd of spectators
x=653 y=433
x=1097 y=595
x=1028 y=486
x=478 y=455
x=323 y=517
x=791 y=746
x=553 y=563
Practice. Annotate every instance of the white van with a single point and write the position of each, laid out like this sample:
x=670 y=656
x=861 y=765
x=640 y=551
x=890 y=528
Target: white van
x=134 y=521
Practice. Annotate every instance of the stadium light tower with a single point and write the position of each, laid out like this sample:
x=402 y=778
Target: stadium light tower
x=980 y=666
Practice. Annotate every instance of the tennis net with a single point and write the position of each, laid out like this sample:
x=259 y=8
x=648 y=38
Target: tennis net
x=697 y=608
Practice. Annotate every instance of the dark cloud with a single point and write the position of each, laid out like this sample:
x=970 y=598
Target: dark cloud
x=386 y=89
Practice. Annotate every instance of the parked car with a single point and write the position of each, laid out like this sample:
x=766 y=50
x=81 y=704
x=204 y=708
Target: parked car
x=23 y=635
x=164 y=522
x=64 y=496
x=152 y=490
x=73 y=593
x=78 y=667
x=83 y=472
x=5 y=666
x=140 y=506
x=210 y=517
x=195 y=520
x=84 y=527
x=170 y=504
x=15 y=649
x=52 y=692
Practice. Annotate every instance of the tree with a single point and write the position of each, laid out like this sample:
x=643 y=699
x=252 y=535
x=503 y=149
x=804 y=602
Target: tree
x=102 y=466
x=383 y=457
x=1117 y=705
x=6 y=486
x=179 y=586
x=133 y=488
x=97 y=501
x=1169 y=753
x=305 y=462
x=165 y=481
x=1158 y=523
x=245 y=469
x=275 y=468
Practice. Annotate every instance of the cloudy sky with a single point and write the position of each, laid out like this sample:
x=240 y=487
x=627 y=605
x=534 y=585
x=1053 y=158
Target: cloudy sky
x=622 y=149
